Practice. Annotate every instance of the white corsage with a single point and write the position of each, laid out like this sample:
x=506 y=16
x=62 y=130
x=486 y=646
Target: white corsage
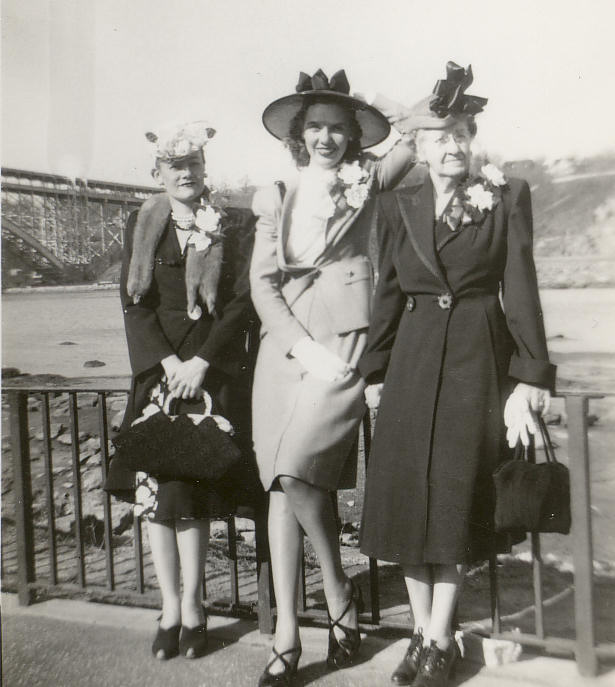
x=207 y=223
x=356 y=181
x=476 y=197
x=479 y=197
x=493 y=175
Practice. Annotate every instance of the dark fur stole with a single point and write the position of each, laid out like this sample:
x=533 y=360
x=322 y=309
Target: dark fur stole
x=203 y=268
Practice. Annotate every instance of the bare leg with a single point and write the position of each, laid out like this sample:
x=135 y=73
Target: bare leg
x=419 y=583
x=192 y=542
x=448 y=580
x=166 y=563
x=314 y=511
x=285 y=546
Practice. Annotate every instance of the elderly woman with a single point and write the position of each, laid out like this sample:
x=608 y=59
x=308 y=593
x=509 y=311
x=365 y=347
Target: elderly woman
x=457 y=338
x=185 y=295
x=311 y=283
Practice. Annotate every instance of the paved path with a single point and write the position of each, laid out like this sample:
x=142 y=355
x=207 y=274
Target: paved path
x=62 y=643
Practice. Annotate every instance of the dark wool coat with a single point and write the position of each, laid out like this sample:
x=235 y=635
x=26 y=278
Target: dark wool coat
x=159 y=326
x=447 y=372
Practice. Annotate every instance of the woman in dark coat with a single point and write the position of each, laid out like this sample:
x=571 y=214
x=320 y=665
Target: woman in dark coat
x=449 y=353
x=185 y=294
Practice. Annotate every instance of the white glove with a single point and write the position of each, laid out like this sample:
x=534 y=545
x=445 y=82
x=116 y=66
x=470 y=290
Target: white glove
x=373 y=392
x=318 y=361
x=518 y=418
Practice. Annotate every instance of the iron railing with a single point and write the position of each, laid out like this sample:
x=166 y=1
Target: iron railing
x=260 y=603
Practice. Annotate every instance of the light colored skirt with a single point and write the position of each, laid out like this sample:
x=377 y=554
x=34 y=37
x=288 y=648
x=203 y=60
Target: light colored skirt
x=302 y=426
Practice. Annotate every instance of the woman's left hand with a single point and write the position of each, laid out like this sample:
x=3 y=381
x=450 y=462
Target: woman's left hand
x=186 y=380
x=522 y=402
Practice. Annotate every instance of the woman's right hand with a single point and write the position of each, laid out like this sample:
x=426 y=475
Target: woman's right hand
x=318 y=361
x=373 y=392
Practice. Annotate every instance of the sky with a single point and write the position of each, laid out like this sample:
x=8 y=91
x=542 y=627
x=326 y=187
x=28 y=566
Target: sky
x=82 y=80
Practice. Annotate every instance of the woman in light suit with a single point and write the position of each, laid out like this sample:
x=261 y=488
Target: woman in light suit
x=311 y=283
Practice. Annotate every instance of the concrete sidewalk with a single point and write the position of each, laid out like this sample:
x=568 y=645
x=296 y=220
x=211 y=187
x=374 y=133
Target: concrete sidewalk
x=62 y=643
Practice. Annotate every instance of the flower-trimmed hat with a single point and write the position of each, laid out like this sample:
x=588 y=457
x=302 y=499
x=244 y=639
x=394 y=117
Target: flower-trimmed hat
x=447 y=102
x=175 y=141
x=278 y=116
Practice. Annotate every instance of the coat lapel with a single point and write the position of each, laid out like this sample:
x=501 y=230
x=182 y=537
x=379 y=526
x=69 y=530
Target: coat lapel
x=417 y=211
x=285 y=222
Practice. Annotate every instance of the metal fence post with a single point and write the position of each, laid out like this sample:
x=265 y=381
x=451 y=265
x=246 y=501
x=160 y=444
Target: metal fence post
x=20 y=452
x=576 y=410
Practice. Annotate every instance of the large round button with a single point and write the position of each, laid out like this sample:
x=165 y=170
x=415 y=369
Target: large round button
x=445 y=301
x=410 y=303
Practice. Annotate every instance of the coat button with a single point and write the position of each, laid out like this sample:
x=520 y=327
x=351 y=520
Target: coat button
x=445 y=301
x=410 y=303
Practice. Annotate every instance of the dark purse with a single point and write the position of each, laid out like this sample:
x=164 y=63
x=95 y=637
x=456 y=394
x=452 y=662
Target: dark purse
x=530 y=496
x=182 y=447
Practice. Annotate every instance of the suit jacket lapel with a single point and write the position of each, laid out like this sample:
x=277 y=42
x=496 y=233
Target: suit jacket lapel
x=285 y=222
x=417 y=212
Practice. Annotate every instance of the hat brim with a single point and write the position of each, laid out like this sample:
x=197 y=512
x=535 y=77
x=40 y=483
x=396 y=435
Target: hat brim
x=280 y=113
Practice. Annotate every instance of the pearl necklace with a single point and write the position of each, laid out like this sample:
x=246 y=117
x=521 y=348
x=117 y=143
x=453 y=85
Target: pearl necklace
x=183 y=221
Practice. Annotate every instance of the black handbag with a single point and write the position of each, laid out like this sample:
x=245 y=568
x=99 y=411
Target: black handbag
x=530 y=496
x=182 y=447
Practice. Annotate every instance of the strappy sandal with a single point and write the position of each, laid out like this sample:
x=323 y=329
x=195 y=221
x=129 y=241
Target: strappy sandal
x=342 y=652
x=166 y=642
x=286 y=677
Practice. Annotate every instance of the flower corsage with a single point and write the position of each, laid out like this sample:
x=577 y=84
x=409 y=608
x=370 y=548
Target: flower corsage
x=355 y=181
x=207 y=227
x=476 y=197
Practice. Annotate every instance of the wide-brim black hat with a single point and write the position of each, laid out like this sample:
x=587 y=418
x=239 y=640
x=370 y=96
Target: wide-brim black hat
x=278 y=116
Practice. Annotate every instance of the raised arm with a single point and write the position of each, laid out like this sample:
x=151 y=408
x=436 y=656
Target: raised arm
x=400 y=159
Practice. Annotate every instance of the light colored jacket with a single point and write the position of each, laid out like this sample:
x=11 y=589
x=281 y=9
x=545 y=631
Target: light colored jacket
x=342 y=274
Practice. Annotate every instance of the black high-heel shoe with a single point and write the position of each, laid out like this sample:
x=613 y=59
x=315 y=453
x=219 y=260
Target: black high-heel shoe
x=286 y=677
x=193 y=641
x=409 y=665
x=342 y=652
x=437 y=666
x=166 y=643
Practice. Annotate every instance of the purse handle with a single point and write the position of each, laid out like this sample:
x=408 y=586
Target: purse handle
x=546 y=440
x=169 y=399
x=520 y=449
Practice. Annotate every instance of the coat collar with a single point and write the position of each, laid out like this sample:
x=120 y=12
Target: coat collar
x=417 y=211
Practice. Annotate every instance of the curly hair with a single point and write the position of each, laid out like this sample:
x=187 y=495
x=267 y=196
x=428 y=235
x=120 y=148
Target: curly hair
x=296 y=145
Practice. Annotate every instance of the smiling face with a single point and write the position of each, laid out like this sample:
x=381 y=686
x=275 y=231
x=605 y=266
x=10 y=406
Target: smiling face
x=326 y=132
x=446 y=151
x=183 y=178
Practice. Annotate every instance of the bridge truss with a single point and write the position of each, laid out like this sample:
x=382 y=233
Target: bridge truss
x=63 y=229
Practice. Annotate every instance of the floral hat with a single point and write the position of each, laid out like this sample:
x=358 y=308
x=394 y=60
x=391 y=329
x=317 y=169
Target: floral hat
x=178 y=140
x=280 y=113
x=447 y=103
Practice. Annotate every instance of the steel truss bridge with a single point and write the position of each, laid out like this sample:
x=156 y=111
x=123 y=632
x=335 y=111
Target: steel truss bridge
x=57 y=230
